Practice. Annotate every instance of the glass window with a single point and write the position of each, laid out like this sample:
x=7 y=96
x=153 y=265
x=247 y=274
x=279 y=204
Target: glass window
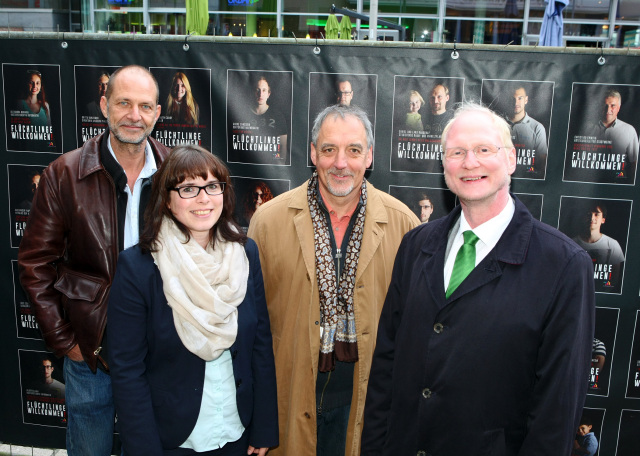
x=319 y=7
x=117 y=4
x=422 y=30
x=627 y=36
x=46 y=4
x=486 y=8
x=240 y=6
x=394 y=7
x=628 y=10
x=168 y=23
x=167 y=4
x=119 y=22
x=587 y=9
x=482 y=32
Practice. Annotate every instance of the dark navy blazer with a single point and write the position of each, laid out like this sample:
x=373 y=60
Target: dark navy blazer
x=157 y=382
x=499 y=368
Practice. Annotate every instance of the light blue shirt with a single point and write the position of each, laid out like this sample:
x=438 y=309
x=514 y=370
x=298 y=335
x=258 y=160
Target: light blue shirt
x=131 y=221
x=218 y=421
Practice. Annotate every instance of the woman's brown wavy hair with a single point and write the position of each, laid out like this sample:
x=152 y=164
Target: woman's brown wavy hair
x=188 y=161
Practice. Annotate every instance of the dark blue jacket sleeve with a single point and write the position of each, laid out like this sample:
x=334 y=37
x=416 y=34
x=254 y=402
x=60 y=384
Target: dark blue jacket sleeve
x=264 y=424
x=129 y=303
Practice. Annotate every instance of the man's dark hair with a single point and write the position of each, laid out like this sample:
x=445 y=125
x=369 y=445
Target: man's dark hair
x=585 y=420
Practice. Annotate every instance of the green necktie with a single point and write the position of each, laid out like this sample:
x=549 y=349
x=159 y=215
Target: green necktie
x=465 y=261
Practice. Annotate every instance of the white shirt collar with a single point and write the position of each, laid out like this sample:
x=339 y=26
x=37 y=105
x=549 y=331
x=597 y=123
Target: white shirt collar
x=149 y=167
x=490 y=231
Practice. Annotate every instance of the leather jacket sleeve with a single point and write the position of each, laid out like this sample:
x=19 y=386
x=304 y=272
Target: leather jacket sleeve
x=42 y=246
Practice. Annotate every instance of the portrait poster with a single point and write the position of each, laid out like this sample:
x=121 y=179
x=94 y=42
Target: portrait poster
x=422 y=107
x=601 y=227
x=595 y=416
x=185 y=97
x=26 y=324
x=259 y=106
x=533 y=202
x=633 y=379
x=604 y=341
x=33 y=120
x=527 y=107
x=427 y=203
x=602 y=141
x=251 y=193
x=91 y=84
x=43 y=389
x=23 y=181
x=628 y=432
x=326 y=89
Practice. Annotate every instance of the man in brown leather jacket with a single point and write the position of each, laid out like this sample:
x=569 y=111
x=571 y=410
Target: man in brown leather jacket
x=88 y=207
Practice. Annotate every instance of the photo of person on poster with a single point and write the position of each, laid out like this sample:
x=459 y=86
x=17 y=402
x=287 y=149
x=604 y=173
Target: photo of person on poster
x=43 y=391
x=440 y=114
x=254 y=198
x=586 y=442
x=47 y=384
x=603 y=249
x=427 y=203
x=349 y=89
x=23 y=183
x=180 y=106
x=91 y=84
x=33 y=100
x=33 y=181
x=92 y=109
x=633 y=380
x=26 y=324
x=185 y=97
x=259 y=116
x=253 y=193
x=426 y=208
x=526 y=106
x=415 y=142
x=344 y=92
x=414 y=118
x=602 y=144
x=603 y=349
x=32 y=107
x=599 y=226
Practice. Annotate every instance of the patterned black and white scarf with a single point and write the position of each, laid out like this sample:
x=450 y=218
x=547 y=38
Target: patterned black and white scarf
x=338 y=339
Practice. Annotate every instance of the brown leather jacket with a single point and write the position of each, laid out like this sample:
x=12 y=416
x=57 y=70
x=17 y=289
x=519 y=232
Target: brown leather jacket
x=69 y=250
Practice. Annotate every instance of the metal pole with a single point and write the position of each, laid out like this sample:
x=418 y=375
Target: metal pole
x=612 y=23
x=279 y=17
x=373 y=22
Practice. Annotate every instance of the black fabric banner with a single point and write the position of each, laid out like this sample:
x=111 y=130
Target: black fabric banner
x=575 y=124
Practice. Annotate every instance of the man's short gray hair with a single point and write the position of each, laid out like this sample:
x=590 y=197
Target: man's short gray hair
x=342 y=111
x=501 y=125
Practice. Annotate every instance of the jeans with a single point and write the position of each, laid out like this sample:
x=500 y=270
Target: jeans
x=332 y=431
x=90 y=410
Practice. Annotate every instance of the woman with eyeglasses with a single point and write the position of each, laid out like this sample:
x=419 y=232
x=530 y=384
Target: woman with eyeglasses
x=259 y=194
x=34 y=103
x=188 y=336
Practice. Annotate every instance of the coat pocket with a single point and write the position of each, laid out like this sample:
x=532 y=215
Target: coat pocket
x=80 y=286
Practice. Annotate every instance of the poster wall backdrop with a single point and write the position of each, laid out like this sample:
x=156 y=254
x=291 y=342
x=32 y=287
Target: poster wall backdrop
x=575 y=124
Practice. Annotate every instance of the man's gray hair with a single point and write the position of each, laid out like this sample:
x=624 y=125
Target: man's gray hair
x=469 y=106
x=613 y=94
x=341 y=111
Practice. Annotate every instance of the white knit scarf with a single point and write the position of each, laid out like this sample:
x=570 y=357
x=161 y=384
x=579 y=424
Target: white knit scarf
x=203 y=287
